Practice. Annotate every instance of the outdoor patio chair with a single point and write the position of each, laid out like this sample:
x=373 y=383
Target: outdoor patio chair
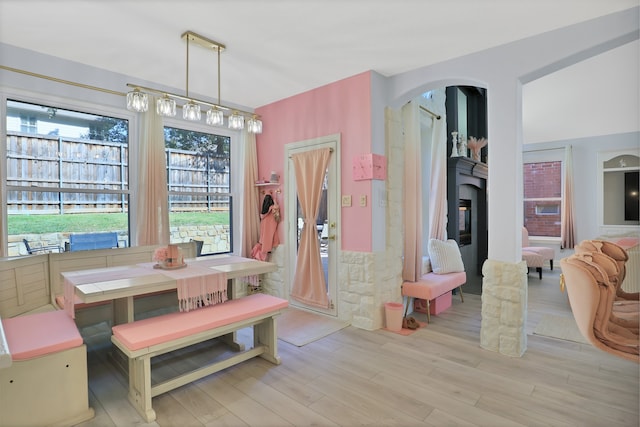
x=41 y=249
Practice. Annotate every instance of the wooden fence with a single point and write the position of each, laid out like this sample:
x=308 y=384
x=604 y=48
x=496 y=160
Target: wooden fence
x=93 y=176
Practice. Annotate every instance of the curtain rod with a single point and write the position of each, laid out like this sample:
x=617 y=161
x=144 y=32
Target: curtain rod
x=437 y=116
x=67 y=82
x=330 y=150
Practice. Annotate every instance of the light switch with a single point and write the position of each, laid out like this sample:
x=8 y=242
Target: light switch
x=363 y=200
x=346 y=201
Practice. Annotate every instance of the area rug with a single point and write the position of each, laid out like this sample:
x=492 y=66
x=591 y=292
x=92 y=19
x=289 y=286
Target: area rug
x=559 y=327
x=300 y=327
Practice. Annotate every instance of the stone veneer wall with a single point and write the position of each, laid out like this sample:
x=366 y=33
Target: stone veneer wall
x=504 y=307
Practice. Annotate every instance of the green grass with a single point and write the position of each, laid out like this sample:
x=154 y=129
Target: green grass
x=40 y=224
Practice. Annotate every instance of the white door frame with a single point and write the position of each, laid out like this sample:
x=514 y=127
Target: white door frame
x=333 y=216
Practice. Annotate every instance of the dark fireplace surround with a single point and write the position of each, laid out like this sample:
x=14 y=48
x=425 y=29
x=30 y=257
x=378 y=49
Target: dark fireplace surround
x=467 y=222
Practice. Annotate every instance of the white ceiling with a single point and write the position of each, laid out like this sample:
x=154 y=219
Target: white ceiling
x=279 y=48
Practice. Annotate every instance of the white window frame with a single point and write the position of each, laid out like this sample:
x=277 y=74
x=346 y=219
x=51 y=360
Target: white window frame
x=67 y=104
x=236 y=152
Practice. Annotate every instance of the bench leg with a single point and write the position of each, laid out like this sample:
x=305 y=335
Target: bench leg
x=140 y=387
x=460 y=290
x=265 y=334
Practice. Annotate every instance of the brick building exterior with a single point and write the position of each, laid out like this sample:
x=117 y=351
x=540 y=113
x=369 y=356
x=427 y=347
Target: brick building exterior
x=543 y=198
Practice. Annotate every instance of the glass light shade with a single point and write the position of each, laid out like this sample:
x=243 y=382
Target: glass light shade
x=236 y=121
x=166 y=106
x=137 y=101
x=254 y=125
x=215 y=117
x=191 y=111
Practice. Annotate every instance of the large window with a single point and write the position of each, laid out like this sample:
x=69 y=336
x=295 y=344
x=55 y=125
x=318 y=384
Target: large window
x=198 y=172
x=543 y=198
x=66 y=173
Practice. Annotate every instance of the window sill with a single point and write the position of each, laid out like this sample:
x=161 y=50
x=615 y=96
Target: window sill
x=545 y=239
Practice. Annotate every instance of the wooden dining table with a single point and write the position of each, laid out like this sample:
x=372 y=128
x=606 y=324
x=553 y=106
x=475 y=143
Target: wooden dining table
x=122 y=284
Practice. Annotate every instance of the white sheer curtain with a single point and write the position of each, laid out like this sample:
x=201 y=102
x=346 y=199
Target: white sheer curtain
x=438 y=191
x=412 y=263
x=251 y=209
x=151 y=190
x=567 y=222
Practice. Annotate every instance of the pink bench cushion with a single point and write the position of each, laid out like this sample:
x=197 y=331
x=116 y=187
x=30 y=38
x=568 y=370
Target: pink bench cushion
x=35 y=335
x=433 y=285
x=172 y=326
x=533 y=259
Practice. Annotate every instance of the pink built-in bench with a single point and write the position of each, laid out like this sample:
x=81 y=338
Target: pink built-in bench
x=43 y=371
x=143 y=339
x=434 y=287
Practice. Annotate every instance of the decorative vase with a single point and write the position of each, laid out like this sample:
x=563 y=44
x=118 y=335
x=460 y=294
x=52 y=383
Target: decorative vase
x=475 y=145
x=462 y=146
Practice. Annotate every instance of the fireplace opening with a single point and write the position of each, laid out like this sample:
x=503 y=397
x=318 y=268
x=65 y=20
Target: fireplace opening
x=464 y=221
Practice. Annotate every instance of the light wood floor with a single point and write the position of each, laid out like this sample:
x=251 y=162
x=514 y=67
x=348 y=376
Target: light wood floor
x=439 y=376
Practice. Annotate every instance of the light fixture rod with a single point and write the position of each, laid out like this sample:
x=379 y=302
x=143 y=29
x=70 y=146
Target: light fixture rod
x=187 y=84
x=203 y=41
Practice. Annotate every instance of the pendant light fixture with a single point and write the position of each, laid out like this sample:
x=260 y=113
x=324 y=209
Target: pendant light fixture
x=137 y=99
x=166 y=106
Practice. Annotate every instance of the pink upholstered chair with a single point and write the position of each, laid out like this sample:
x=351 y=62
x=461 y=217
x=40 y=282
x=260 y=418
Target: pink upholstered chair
x=587 y=278
x=544 y=252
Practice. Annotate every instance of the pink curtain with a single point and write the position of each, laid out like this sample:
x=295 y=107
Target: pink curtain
x=309 y=286
x=152 y=198
x=567 y=222
x=412 y=262
x=438 y=193
x=251 y=213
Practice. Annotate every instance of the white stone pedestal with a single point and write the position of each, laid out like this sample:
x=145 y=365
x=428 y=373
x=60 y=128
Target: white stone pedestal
x=504 y=307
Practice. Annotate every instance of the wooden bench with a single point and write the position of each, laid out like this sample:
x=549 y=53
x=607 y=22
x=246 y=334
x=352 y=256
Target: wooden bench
x=43 y=371
x=143 y=339
x=91 y=241
x=431 y=286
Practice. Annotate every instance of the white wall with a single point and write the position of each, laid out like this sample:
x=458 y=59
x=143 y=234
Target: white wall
x=502 y=71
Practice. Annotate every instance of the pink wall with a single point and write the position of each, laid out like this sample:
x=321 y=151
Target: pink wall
x=342 y=107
